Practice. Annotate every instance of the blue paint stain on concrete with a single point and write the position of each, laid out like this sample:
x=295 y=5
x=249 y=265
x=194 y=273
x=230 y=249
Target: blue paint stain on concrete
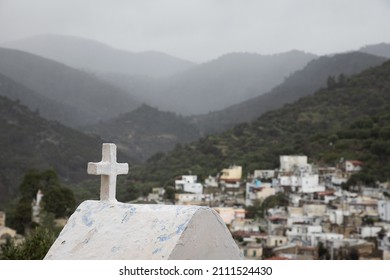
x=163 y=238
x=181 y=228
x=155 y=251
x=133 y=211
x=87 y=220
x=128 y=214
x=178 y=210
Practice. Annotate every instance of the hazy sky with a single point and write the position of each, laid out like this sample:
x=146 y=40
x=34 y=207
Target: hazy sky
x=203 y=29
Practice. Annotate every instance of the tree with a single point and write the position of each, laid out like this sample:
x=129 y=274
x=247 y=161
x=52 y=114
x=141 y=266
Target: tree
x=331 y=82
x=34 y=247
x=353 y=254
x=57 y=199
x=342 y=79
x=272 y=201
x=60 y=201
x=255 y=210
x=34 y=181
x=323 y=253
x=23 y=214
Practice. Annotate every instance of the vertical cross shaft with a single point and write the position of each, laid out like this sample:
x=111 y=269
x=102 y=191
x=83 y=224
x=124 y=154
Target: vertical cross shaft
x=109 y=169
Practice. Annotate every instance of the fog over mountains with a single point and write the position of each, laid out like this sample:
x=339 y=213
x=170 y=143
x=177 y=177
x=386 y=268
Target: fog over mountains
x=382 y=49
x=169 y=83
x=100 y=91
x=89 y=98
x=97 y=57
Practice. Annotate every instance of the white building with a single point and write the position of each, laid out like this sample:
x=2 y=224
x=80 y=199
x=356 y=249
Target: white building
x=384 y=210
x=304 y=220
x=291 y=163
x=310 y=184
x=211 y=182
x=302 y=182
x=337 y=181
x=303 y=233
x=314 y=210
x=244 y=225
x=296 y=173
x=325 y=237
x=188 y=183
x=353 y=165
x=187 y=197
x=336 y=216
x=264 y=174
x=157 y=194
x=369 y=231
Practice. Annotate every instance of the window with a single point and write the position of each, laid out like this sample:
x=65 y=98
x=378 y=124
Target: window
x=254 y=253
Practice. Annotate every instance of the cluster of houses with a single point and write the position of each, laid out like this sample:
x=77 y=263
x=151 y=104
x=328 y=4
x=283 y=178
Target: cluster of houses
x=319 y=219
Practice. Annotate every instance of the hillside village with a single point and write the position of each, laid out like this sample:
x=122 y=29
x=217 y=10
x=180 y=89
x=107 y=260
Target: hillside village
x=313 y=216
x=297 y=211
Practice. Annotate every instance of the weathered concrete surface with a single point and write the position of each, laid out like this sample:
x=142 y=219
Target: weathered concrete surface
x=111 y=230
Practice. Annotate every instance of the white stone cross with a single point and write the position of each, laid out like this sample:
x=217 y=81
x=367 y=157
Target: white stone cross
x=108 y=168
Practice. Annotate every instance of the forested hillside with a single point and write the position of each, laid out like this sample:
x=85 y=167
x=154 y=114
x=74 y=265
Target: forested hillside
x=28 y=141
x=146 y=131
x=350 y=119
x=301 y=83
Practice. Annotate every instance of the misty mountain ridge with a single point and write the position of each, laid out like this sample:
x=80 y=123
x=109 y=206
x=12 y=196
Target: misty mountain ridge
x=179 y=86
x=214 y=85
x=299 y=84
x=382 y=49
x=98 y=57
x=45 y=106
x=91 y=98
